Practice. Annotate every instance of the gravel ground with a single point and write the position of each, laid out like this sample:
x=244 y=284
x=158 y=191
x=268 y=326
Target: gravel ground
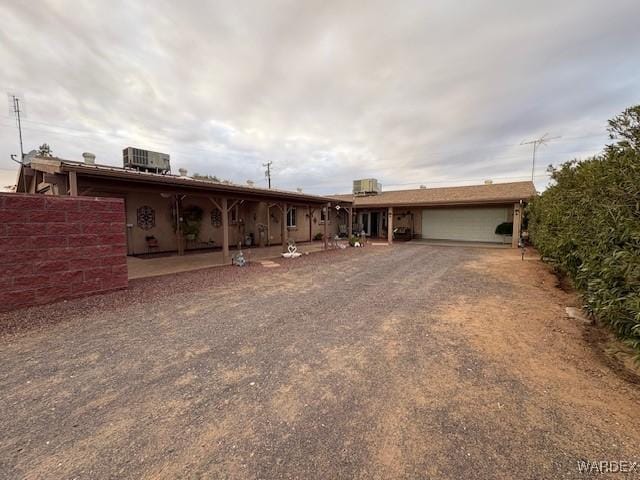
x=407 y=362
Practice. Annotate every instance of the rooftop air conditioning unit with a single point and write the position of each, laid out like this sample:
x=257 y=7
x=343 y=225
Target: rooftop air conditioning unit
x=145 y=160
x=366 y=186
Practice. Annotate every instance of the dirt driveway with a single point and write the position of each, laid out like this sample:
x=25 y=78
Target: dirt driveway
x=407 y=362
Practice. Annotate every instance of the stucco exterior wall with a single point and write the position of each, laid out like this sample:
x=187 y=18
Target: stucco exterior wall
x=251 y=215
x=162 y=229
x=300 y=233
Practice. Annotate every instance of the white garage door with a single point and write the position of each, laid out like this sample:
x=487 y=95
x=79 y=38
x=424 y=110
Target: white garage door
x=470 y=224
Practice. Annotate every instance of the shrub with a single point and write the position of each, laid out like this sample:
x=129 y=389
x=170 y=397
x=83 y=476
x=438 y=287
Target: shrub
x=505 y=228
x=318 y=236
x=587 y=224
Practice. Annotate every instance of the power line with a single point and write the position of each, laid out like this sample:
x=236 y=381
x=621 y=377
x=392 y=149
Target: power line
x=162 y=140
x=458 y=180
x=268 y=172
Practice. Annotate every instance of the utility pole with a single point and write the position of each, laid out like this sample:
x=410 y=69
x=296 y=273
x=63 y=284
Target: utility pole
x=268 y=172
x=536 y=143
x=14 y=105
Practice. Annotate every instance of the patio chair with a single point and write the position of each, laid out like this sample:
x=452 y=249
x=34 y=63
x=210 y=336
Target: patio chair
x=152 y=243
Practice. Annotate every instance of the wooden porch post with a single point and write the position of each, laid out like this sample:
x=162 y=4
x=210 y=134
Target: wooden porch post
x=517 y=224
x=390 y=226
x=284 y=227
x=225 y=229
x=326 y=223
x=310 y=223
x=268 y=225
x=73 y=184
x=349 y=222
x=179 y=238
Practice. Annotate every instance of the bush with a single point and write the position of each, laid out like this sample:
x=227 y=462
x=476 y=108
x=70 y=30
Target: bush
x=505 y=228
x=587 y=224
x=318 y=236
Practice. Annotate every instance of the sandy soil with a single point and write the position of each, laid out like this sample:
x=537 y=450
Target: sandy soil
x=407 y=362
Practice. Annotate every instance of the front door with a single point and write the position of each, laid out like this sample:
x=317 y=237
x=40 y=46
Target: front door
x=364 y=221
x=374 y=229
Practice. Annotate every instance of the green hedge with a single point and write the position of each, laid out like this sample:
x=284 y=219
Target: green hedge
x=587 y=224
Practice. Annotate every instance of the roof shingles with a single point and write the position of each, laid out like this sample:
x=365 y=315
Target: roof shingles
x=474 y=194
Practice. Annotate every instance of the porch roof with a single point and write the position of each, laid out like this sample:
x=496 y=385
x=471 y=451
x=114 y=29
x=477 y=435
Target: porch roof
x=124 y=177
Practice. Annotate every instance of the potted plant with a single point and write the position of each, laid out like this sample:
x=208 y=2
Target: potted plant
x=190 y=222
x=505 y=229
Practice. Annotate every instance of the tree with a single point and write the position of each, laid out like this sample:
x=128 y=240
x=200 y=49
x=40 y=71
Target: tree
x=44 y=150
x=211 y=178
x=625 y=129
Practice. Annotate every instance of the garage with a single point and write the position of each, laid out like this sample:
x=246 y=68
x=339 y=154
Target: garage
x=464 y=224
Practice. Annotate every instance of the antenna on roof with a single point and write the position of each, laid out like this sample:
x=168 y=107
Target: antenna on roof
x=16 y=108
x=543 y=140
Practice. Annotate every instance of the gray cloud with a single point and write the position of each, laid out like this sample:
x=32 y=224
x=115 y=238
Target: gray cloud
x=410 y=92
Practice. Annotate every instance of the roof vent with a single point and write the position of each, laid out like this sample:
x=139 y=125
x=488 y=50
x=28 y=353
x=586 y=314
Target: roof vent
x=183 y=172
x=488 y=182
x=423 y=187
x=89 y=158
x=251 y=183
x=299 y=190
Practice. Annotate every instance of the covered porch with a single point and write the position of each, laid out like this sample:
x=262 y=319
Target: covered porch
x=172 y=215
x=140 y=267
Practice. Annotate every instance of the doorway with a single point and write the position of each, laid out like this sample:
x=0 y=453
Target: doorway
x=374 y=230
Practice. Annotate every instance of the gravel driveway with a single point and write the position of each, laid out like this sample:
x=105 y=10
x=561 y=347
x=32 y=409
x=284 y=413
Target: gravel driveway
x=410 y=361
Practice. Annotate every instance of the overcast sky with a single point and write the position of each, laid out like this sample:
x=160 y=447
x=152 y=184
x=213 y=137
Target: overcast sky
x=424 y=92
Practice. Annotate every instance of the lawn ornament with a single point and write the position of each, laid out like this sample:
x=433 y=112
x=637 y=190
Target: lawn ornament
x=522 y=246
x=238 y=259
x=292 y=251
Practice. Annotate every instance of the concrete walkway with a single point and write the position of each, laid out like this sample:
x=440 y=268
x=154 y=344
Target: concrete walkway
x=152 y=267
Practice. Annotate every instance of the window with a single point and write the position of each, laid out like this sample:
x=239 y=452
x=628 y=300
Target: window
x=291 y=217
x=234 y=214
x=216 y=217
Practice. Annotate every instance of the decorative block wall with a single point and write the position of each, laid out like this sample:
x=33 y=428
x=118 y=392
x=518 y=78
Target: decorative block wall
x=54 y=248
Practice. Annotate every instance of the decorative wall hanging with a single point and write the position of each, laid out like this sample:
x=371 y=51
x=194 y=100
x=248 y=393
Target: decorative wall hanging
x=216 y=217
x=146 y=217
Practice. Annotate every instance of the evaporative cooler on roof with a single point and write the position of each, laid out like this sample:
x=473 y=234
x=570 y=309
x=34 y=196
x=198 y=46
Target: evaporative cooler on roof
x=145 y=160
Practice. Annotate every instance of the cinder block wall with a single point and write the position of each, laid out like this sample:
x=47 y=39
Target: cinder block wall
x=54 y=248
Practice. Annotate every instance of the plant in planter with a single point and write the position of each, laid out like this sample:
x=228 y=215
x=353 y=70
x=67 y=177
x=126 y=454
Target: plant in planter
x=191 y=220
x=317 y=237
